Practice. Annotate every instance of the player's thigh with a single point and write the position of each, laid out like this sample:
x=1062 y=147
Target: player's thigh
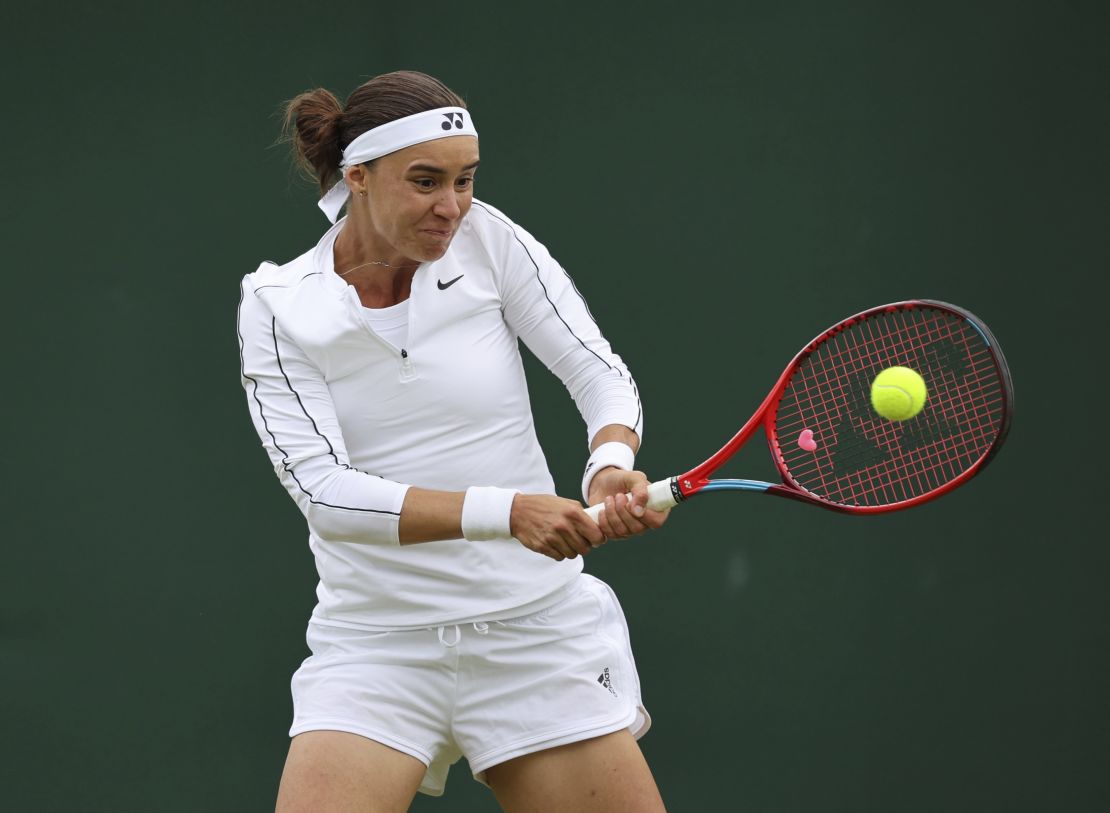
x=337 y=772
x=601 y=774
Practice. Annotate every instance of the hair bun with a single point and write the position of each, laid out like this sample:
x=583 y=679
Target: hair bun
x=312 y=122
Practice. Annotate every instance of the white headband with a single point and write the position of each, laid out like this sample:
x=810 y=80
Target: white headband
x=392 y=136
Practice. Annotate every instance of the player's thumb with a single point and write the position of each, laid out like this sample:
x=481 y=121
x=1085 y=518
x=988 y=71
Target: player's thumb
x=638 y=487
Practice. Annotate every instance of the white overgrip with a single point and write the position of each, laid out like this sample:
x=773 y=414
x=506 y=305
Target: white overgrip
x=660 y=498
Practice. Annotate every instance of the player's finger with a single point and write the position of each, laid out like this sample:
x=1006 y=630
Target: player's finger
x=655 y=519
x=564 y=546
x=639 y=497
x=618 y=519
x=573 y=544
x=590 y=532
x=633 y=522
x=607 y=531
x=544 y=549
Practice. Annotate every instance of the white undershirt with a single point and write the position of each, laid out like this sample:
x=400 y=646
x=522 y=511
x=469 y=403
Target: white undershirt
x=391 y=323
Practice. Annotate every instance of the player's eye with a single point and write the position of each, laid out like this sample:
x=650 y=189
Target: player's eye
x=425 y=184
x=464 y=183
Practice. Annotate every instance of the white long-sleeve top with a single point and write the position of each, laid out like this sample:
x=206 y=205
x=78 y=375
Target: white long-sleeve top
x=350 y=420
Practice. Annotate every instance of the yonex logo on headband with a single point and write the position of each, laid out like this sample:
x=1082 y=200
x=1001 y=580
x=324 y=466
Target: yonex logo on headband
x=452 y=118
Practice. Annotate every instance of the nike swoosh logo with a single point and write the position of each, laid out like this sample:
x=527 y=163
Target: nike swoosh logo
x=443 y=286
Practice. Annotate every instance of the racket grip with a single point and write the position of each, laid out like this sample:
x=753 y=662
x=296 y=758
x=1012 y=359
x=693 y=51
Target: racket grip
x=660 y=498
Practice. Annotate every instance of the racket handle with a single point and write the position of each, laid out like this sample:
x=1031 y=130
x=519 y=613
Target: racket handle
x=660 y=498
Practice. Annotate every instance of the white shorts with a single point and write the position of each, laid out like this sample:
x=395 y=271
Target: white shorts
x=489 y=691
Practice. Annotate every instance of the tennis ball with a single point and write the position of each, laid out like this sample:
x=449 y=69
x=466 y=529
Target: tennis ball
x=898 y=393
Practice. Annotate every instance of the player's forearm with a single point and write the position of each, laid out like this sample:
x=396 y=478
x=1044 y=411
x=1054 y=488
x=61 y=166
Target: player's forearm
x=616 y=432
x=428 y=516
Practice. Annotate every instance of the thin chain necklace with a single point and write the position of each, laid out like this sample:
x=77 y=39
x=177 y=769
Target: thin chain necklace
x=372 y=262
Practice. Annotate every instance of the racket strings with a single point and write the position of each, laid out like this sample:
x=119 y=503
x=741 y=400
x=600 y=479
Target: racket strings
x=874 y=446
x=868 y=446
x=863 y=459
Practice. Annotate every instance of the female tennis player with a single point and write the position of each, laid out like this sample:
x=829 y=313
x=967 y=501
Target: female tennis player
x=383 y=374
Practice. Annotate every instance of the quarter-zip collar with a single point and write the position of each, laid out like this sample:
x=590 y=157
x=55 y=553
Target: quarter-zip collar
x=323 y=259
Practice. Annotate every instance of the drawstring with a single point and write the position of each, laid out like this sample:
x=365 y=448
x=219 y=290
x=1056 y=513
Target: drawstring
x=481 y=627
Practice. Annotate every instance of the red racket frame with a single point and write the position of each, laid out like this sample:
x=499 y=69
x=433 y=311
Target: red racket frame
x=697 y=479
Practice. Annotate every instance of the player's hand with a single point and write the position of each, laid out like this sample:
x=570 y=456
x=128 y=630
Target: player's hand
x=553 y=526
x=622 y=516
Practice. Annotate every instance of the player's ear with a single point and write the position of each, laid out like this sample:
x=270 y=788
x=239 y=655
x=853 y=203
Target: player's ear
x=356 y=178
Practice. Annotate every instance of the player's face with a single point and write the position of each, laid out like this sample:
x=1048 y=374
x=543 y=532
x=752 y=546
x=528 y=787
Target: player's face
x=417 y=197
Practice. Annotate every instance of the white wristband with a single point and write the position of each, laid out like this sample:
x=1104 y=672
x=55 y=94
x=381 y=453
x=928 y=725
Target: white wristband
x=486 y=511
x=614 y=453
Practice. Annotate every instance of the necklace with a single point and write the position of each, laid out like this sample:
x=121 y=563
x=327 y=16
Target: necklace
x=372 y=262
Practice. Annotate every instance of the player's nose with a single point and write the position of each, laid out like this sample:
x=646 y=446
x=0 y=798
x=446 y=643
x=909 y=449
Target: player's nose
x=448 y=206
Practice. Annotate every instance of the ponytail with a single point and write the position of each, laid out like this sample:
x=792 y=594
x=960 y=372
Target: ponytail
x=312 y=123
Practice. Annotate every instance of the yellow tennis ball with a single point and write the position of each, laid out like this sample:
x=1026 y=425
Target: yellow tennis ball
x=898 y=393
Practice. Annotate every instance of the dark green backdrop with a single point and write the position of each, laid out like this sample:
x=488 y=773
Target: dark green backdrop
x=722 y=185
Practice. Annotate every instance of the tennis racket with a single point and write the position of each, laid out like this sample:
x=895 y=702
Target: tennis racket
x=833 y=450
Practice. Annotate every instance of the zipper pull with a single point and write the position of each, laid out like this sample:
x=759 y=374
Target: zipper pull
x=408 y=372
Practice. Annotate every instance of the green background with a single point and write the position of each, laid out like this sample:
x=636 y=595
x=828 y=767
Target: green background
x=723 y=182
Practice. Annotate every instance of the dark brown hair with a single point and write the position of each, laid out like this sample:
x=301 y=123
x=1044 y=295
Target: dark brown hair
x=321 y=129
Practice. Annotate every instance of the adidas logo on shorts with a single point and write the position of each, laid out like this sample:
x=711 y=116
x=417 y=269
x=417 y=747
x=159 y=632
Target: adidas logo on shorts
x=603 y=679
